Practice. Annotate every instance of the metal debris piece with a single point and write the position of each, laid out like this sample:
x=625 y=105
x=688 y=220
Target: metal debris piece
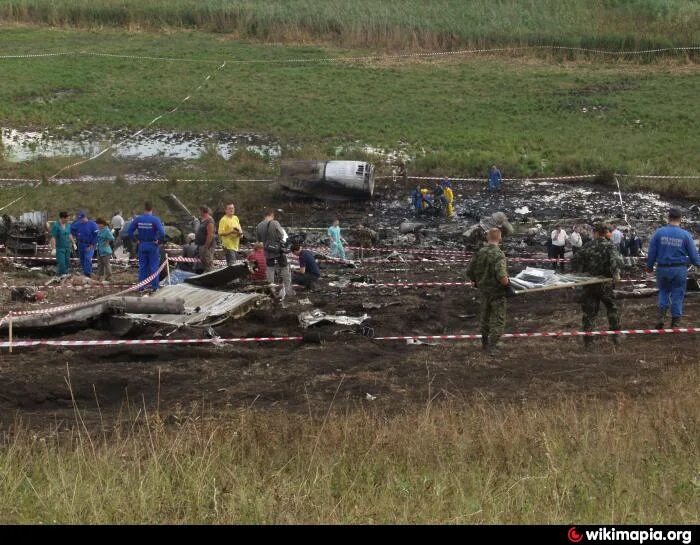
x=202 y=306
x=317 y=316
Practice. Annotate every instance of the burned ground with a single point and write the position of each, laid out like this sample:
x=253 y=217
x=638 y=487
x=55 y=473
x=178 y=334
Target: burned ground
x=346 y=369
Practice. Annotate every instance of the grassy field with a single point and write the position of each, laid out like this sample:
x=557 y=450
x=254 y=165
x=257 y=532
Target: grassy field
x=626 y=460
x=612 y=24
x=456 y=115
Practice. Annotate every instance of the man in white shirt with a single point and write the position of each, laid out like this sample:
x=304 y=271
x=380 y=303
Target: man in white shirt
x=575 y=239
x=616 y=237
x=117 y=225
x=558 y=242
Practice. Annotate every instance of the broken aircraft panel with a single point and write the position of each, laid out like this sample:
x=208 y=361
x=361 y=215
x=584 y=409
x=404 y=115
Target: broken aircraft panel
x=201 y=305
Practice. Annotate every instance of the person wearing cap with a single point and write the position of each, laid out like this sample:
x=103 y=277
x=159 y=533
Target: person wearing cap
x=151 y=235
x=86 y=235
x=599 y=257
x=61 y=242
x=672 y=249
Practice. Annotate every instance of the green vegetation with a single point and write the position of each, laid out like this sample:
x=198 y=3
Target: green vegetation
x=611 y=24
x=457 y=115
x=104 y=197
x=618 y=461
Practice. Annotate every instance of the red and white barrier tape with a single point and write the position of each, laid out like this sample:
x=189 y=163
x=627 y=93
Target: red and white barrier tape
x=547 y=334
x=53 y=310
x=134 y=180
x=475 y=336
x=528 y=179
x=123 y=342
x=409 y=284
x=693 y=177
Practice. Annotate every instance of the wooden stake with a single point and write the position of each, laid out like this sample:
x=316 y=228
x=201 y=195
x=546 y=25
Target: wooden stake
x=10 y=331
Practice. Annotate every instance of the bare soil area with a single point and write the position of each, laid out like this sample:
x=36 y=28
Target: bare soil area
x=346 y=369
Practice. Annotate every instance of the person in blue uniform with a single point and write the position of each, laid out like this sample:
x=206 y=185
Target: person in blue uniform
x=672 y=249
x=86 y=235
x=151 y=235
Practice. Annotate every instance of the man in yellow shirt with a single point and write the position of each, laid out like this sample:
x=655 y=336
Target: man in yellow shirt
x=230 y=234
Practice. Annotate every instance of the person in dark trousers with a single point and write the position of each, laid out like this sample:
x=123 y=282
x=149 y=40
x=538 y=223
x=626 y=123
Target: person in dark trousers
x=417 y=198
x=488 y=271
x=309 y=272
x=599 y=257
x=205 y=239
x=61 y=242
x=273 y=237
x=151 y=235
x=672 y=249
x=105 y=239
x=494 y=179
x=86 y=235
x=634 y=244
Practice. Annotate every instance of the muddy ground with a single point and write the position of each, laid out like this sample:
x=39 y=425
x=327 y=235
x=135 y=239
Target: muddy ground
x=347 y=369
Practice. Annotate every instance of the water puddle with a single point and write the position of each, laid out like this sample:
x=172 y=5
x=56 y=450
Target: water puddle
x=20 y=145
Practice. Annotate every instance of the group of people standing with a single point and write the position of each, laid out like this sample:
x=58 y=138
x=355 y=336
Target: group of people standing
x=671 y=249
x=559 y=240
x=84 y=238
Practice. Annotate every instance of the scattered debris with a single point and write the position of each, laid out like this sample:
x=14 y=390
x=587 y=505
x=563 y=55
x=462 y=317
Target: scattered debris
x=533 y=278
x=317 y=316
x=418 y=341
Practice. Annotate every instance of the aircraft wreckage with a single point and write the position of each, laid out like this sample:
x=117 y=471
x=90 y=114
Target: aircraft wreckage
x=328 y=180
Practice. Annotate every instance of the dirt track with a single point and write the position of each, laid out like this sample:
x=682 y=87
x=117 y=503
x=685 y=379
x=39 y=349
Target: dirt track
x=346 y=367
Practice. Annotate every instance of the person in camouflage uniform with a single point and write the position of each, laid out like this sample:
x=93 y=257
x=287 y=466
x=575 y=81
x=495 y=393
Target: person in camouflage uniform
x=366 y=238
x=487 y=270
x=599 y=257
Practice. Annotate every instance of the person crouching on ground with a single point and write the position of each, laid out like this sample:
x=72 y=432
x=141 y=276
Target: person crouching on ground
x=309 y=272
x=258 y=262
x=105 y=238
x=488 y=271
